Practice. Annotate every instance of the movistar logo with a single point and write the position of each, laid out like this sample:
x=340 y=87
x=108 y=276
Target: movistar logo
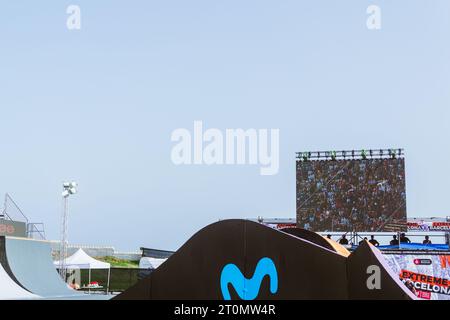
x=248 y=289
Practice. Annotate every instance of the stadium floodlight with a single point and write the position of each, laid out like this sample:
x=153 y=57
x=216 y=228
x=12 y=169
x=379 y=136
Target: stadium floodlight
x=364 y=154
x=69 y=188
x=306 y=156
x=333 y=155
x=392 y=153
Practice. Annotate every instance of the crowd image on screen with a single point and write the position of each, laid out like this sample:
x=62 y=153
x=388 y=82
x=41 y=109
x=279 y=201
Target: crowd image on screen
x=350 y=195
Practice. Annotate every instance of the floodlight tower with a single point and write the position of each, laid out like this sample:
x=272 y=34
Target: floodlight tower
x=69 y=188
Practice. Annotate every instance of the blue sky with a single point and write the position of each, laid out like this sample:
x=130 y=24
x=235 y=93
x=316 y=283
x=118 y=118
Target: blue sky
x=98 y=105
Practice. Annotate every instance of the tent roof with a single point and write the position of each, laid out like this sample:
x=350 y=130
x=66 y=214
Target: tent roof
x=81 y=260
x=150 y=263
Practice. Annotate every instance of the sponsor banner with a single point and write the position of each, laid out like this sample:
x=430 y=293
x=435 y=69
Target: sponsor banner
x=428 y=226
x=428 y=274
x=12 y=228
x=280 y=226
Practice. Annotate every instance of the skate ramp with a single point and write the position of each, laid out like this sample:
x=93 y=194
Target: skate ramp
x=361 y=265
x=339 y=248
x=30 y=261
x=240 y=259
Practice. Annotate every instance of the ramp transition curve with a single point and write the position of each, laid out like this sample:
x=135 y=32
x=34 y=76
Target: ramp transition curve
x=29 y=263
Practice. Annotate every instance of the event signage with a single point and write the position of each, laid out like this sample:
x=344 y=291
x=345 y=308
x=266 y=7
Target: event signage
x=428 y=226
x=248 y=289
x=426 y=284
x=423 y=262
x=13 y=228
x=429 y=274
x=280 y=226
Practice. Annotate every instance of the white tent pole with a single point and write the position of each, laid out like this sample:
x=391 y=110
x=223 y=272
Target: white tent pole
x=109 y=275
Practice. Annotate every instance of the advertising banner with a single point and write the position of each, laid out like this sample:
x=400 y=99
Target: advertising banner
x=423 y=225
x=13 y=228
x=428 y=274
x=280 y=226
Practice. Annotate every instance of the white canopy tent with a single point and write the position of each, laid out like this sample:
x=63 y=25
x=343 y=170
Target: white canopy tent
x=81 y=260
x=150 y=263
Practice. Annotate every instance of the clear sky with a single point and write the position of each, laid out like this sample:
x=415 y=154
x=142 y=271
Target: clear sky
x=98 y=105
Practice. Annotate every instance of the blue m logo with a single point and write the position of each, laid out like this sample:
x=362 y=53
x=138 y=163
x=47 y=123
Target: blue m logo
x=248 y=289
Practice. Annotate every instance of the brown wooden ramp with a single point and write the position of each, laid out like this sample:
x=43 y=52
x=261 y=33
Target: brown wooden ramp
x=240 y=259
x=304 y=270
x=368 y=261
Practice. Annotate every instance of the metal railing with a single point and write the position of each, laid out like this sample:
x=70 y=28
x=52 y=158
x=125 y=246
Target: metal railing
x=11 y=211
x=36 y=230
x=351 y=154
x=385 y=237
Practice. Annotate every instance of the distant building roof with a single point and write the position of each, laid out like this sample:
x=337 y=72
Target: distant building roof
x=156 y=253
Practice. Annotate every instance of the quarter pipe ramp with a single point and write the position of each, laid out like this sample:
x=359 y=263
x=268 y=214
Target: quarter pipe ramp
x=31 y=266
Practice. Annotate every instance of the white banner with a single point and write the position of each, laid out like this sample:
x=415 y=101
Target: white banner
x=430 y=274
